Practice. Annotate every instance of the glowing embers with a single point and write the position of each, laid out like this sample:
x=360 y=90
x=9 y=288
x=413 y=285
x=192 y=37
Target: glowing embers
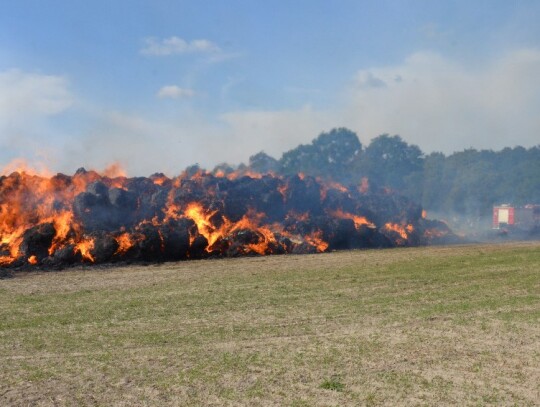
x=32 y=260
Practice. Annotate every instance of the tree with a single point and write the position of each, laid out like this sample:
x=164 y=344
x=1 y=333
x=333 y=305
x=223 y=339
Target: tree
x=390 y=161
x=263 y=163
x=338 y=148
x=330 y=155
x=299 y=159
x=434 y=188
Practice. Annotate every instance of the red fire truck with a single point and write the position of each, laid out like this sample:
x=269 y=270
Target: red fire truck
x=508 y=217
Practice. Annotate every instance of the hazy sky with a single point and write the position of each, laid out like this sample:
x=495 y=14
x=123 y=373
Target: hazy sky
x=159 y=85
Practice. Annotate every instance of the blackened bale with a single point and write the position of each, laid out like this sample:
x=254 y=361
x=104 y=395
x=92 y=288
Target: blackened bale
x=37 y=241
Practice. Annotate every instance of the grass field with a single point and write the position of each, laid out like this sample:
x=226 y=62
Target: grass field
x=423 y=326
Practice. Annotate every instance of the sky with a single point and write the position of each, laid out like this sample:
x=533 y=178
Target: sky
x=155 y=86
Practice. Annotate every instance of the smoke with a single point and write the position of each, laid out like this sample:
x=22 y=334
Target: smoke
x=443 y=105
x=23 y=94
x=433 y=101
x=144 y=146
x=28 y=104
x=277 y=131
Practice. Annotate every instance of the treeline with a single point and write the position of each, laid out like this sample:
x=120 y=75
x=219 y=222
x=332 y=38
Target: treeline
x=468 y=182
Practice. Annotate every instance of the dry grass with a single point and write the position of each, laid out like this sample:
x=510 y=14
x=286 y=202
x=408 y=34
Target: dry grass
x=422 y=326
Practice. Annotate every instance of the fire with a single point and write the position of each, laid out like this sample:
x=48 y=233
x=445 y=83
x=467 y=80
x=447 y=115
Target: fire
x=95 y=217
x=212 y=233
x=160 y=179
x=358 y=220
x=196 y=212
x=263 y=247
x=12 y=241
x=327 y=185
x=21 y=166
x=85 y=248
x=315 y=239
x=125 y=242
x=6 y=260
x=114 y=170
x=62 y=224
x=220 y=174
x=237 y=174
x=402 y=231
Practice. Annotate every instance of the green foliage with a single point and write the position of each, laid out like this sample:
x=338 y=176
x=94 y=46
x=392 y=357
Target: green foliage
x=333 y=384
x=390 y=161
x=470 y=182
x=330 y=155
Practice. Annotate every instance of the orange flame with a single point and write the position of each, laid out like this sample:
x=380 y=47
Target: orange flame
x=62 y=225
x=402 y=231
x=125 y=242
x=196 y=212
x=84 y=247
x=358 y=220
x=316 y=240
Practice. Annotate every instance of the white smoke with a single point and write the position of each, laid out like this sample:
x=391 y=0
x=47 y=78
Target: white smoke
x=430 y=100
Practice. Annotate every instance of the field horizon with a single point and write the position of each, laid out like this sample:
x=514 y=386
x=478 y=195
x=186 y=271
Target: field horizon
x=440 y=325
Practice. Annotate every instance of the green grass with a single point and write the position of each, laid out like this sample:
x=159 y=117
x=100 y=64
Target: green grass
x=422 y=326
x=333 y=384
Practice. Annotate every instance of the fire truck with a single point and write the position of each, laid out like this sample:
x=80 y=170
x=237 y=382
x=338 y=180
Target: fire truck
x=508 y=217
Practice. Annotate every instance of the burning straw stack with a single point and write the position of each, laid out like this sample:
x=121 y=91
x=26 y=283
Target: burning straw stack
x=63 y=220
